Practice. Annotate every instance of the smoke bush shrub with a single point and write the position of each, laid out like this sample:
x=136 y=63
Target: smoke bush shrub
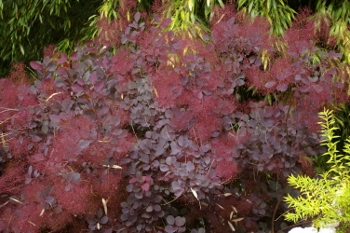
x=161 y=134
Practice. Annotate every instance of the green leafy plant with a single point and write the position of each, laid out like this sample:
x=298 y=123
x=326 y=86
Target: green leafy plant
x=279 y=14
x=324 y=198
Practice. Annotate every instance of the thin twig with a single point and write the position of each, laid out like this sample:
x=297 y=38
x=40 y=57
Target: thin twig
x=274 y=214
x=171 y=201
x=9 y=109
x=52 y=96
x=132 y=127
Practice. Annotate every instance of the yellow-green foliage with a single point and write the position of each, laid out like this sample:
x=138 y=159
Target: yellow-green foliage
x=324 y=199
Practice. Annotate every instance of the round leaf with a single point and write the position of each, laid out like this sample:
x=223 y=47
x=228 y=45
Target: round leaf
x=170 y=220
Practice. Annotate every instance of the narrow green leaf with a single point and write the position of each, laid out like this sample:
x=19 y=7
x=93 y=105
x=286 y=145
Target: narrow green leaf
x=22 y=49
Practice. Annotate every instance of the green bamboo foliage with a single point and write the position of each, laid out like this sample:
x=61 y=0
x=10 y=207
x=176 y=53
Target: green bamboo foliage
x=277 y=12
x=190 y=15
x=26 y=26
x=338 y=13
x=19 y=18
x=324 y=199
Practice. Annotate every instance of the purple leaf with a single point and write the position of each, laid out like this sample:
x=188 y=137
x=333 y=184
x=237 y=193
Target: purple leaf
x=170 y=229
x=63 y=59
x=139 y=195
x=304 y=89
x=298 y=78
x=174 y=148
x=137 y=16
x=104 y=220
x=313 y=79
x=81 y=81
x=282 y=87
x=189 y=166
x=51 y=67
x=165 y=23
x=74 y=176
x=50 y=200
x=333 y=54
x=68 y=187
x=93 y=77
x=77 y=88
x=231 y=21
x=74 y=56
x=205 y=148
x=164 y=168
x=30 y=170
x=132 y=180
x=103 y=111
x=183 y=142
x=169 y=160
x=180 y=221
x=99 y=85
x=55 y=118
x=270 y=84
x=170 y=220
x=145 y=187
x=36 y=138
x=317 y=88
x=36 y=65
x=175 y=185
x=84 y=144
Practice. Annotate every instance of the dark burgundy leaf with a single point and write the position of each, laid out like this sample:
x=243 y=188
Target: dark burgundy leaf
x=93 y=78
x=99 y=85
x=139 y=195
x=132 y=180
x=77 y=88
x=149 y=209
x=51 y=67
x=36 y=65
x=63 y=59
x=104 y=220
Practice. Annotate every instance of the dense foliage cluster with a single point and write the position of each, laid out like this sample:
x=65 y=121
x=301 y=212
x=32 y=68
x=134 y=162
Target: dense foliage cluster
x=154 y=132
x=29 y=26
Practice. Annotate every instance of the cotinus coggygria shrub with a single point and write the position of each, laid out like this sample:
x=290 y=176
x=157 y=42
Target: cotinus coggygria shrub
x=162 y=133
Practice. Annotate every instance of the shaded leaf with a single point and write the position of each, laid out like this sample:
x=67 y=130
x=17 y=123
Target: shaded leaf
x=84 y=144
x=104 y=220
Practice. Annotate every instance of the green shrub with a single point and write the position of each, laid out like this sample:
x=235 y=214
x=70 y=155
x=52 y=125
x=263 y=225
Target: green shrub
x=324 y=198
